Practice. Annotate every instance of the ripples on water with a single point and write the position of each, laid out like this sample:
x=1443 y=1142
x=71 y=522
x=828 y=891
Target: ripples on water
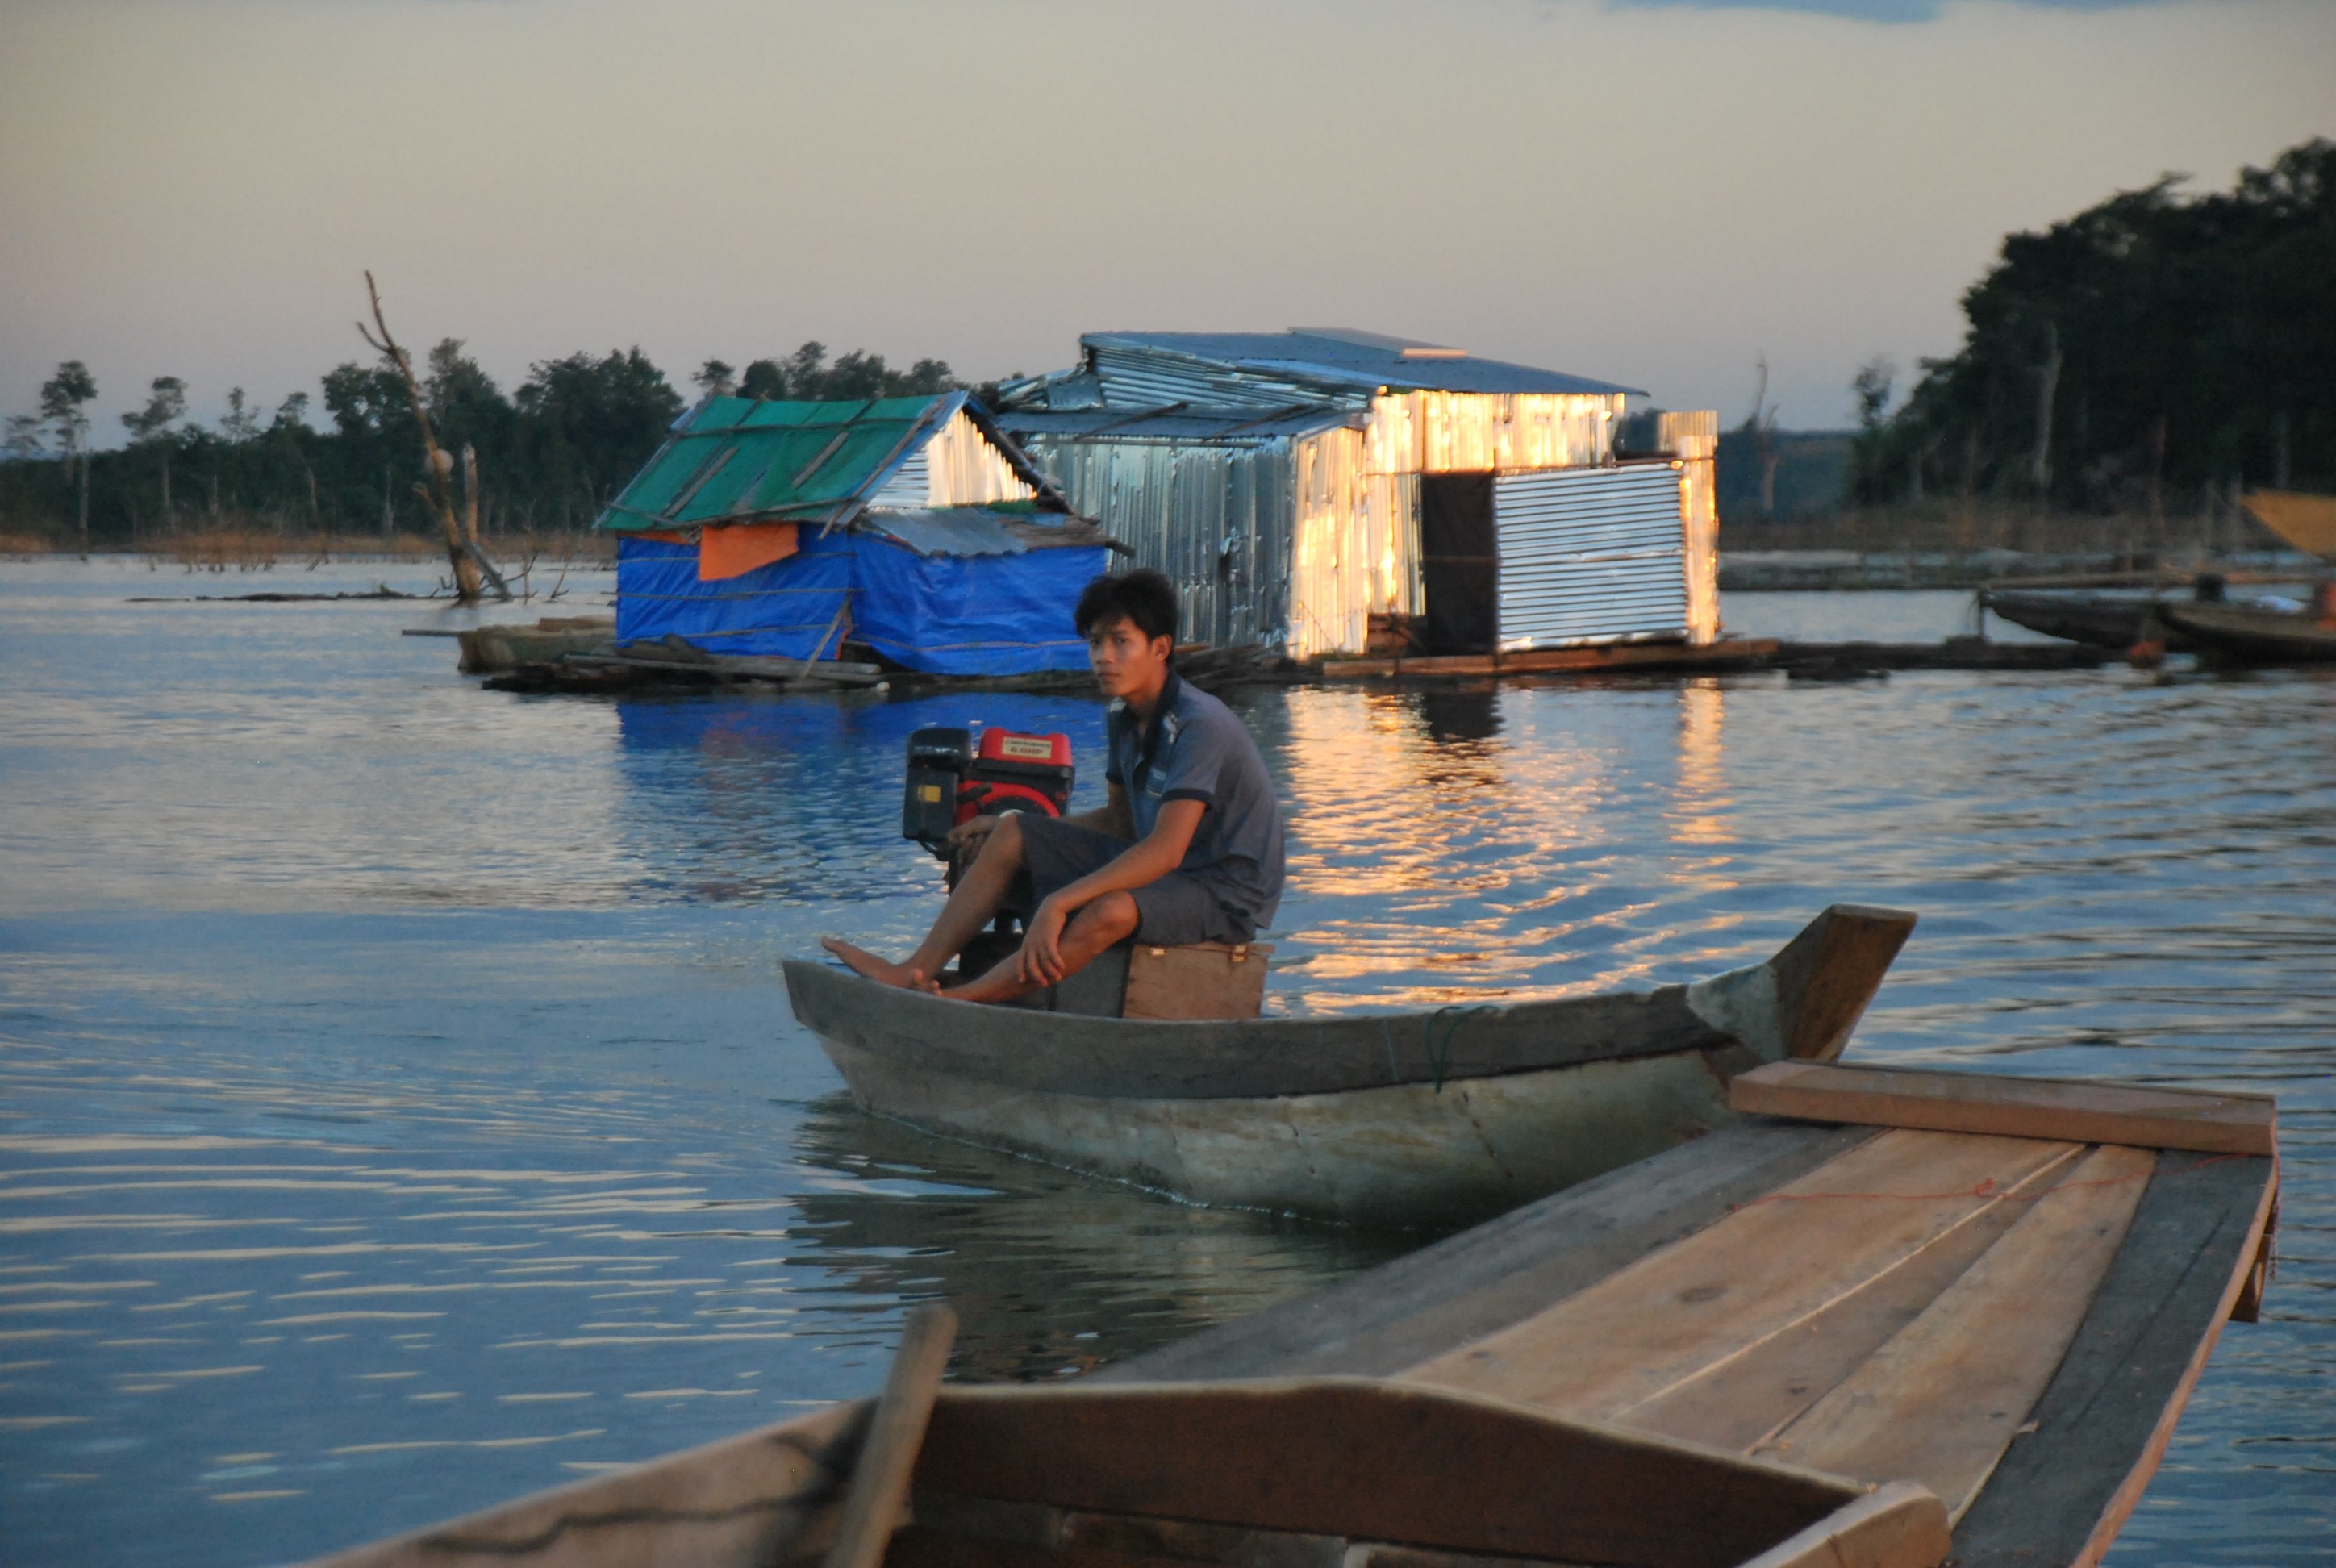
x=398 y=1109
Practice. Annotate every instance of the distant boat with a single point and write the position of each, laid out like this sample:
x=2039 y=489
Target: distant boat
x=2255 y=636
x=2096 y=620
x=1889 y=1318
x=1387 y=1118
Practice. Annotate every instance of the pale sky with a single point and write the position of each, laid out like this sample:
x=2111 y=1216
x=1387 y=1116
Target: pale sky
x=1650 y=192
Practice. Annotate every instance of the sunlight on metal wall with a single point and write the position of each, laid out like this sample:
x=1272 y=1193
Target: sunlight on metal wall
x=956 y=467
x=1465 y=432
x=1694 y=439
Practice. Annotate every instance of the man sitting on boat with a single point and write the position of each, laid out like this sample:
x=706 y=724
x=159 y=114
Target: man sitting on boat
x=1186 y=849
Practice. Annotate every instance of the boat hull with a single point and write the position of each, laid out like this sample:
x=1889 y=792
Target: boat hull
x=2255 y=636
x=1405 y=1153
x=1382 y=1119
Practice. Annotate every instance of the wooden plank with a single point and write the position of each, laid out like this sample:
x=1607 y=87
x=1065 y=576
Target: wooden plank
x=1940 y=1402
x=1369 y=1460
x=2062 y=1490
x=2150 y=1118
x=1466 y=1286
x=1670 y=1317
x=1559 y=660
x=1747 y=1398
x=1896 y=1525
x=887 y=1456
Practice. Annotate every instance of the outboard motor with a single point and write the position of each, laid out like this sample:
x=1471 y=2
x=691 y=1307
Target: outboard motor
x=952 y=778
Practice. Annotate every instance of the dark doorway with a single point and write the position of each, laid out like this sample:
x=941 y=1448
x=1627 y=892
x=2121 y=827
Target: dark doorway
x=1459 y=562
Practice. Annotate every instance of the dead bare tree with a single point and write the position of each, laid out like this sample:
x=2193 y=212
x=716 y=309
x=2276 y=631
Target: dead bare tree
x=1762 y=423
x=2048 y=389
x=472 y=570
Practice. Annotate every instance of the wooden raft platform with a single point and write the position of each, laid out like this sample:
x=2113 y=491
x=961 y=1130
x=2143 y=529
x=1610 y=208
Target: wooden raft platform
x=1652 y=657
x=2001 y=1290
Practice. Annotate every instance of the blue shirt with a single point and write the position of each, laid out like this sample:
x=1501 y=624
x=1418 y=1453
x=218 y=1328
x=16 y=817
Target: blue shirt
x=1196 y=748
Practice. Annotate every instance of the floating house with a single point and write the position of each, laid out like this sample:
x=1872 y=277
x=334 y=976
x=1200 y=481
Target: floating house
x=911 y=527
x=1332 y=491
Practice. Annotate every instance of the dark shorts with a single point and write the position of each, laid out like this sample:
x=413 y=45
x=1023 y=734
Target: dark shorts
x=1172 y=912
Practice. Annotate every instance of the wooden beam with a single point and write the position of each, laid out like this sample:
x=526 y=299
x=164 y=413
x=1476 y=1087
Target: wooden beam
x=887 y=1456
x=1897 y=1525
x=2069 y=1109
x=1371 y=1461
x=1560 y=660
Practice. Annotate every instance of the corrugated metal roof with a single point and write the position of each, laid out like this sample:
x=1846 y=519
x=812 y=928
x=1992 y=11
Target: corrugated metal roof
x=1177 y=422
x=977 y=530
x=740 y=460
x=1335 y=358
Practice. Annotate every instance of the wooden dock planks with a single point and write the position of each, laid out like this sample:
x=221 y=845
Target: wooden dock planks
x=1667 y=1319
x=2061 y=1491
x=2146 y=1118
x=1938 y=1403
x=1745 y=1399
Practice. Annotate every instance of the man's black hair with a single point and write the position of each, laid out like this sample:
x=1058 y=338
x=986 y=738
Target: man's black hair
x=1143 y=596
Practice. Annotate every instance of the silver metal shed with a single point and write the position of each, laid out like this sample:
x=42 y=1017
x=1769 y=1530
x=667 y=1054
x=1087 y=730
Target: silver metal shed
x=1279 y=479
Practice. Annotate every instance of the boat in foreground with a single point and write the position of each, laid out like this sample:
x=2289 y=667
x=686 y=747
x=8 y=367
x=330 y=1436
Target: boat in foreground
x=1886 y=1319
x=1381 y=1118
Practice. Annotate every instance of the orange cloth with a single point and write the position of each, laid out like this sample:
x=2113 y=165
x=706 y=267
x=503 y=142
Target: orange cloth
x=739 y=548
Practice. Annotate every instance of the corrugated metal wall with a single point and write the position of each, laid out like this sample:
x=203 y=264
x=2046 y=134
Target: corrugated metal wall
x=1357 y=546
x=1590 y=556
x=1467 y=432
x=1215 y=517
x=956 y=466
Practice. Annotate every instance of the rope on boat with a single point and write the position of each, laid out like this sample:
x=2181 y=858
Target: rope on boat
x=1439 y=1059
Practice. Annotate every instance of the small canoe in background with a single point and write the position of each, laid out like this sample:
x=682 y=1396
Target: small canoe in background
x=2108 y=620
x=1379 y=1119
x=1931 y=1316
x=2253 y=635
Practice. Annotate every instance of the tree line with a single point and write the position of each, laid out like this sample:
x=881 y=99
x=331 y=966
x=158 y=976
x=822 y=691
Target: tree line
x=2153 y=344
x=551 y=454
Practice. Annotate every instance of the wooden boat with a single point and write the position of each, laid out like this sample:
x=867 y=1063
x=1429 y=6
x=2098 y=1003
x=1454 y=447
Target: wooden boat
x=2253 y=635
x=1390 y=1118
x=1909 y=1318
x=2096 y=620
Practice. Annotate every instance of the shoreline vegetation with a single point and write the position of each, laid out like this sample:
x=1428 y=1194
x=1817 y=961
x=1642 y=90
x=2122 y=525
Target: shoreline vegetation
x=2125 y=376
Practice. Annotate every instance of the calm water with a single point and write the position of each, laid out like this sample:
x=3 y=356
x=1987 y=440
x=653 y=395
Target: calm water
x=399 y=1109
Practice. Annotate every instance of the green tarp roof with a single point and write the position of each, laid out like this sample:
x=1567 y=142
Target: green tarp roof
x=738 y=460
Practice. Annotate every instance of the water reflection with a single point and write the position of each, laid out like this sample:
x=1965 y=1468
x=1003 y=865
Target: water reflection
x=741 y=799
x=1049 y=1273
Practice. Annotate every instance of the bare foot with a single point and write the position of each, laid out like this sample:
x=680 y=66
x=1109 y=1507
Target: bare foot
x=884 y=971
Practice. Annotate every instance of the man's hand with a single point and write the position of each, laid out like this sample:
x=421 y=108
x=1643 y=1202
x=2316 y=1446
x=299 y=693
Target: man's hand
x=969 y=834
x=1041 y=958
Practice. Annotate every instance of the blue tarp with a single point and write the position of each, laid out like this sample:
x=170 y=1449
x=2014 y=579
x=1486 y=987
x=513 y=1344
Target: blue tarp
x=972 y=615
x=944 y=615
x=783 y=609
